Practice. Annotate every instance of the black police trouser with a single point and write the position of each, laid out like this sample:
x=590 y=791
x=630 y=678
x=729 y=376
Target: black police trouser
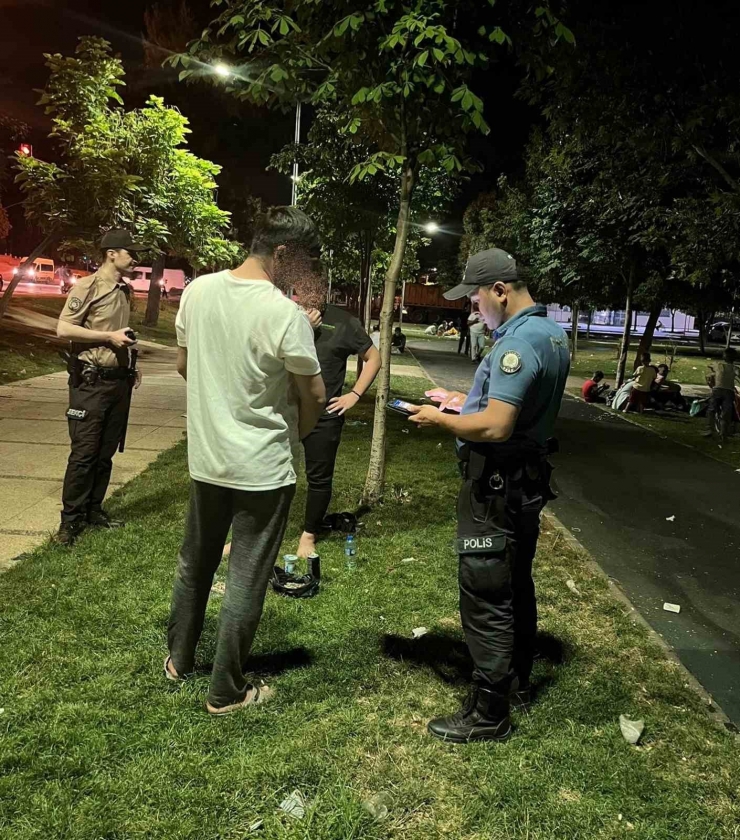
x=95 y=439
x=497 y=539
x=321 y=448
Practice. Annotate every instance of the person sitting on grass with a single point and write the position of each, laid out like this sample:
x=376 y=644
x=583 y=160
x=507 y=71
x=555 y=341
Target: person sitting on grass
x=593 y=389
x=644 y=377
x=667 y=393
x=398 y=341
x=431 y=330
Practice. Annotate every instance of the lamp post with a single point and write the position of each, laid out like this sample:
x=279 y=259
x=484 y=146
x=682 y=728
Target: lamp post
x=294 y=176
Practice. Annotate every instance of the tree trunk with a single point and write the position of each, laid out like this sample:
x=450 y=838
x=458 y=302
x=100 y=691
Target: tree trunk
x=575 y=314
x=38 y=251
x=151 y=319
x=588 y=325
x=702 y=337
x=646 y=339
x=625 y=345
x=376 y=468
x=729 y=329
x=673 y=321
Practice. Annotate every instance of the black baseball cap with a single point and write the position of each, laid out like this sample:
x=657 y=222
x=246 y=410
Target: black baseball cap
x=116 y=239
x=484 y=269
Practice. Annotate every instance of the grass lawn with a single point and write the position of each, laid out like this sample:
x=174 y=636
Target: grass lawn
x=689 y=367
x=24 y=356
x=95 y=744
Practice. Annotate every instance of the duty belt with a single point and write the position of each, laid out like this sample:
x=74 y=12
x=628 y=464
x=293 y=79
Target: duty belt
x=508 y=469
x=106 y=373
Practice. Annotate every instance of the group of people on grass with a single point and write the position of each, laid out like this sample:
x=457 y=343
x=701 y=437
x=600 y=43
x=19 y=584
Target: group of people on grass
x=651 y=387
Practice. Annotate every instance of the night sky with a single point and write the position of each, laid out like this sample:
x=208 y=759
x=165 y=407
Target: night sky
x=234 y=135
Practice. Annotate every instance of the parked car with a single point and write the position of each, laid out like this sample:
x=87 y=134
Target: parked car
x=172 y=281
x=718 y=332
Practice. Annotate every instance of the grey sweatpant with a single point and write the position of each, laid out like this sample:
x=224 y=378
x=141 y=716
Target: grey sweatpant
x=258 y=520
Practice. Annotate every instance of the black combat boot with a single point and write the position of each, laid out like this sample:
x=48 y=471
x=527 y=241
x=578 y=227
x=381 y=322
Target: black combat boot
x=484 y=716
x=68 y=533
x=100 y=519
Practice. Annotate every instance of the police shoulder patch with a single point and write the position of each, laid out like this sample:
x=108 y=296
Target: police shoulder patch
x=511 y=362
x=74 y=304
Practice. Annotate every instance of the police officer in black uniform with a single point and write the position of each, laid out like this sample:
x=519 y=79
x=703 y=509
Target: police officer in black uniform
x=102 y=375
x=504 y=435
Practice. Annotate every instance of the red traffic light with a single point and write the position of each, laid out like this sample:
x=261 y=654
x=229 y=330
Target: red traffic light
x=25 y=150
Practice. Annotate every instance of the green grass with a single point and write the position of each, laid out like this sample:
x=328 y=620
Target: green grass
x=689 y=367
x=23 y=356
x=95 y=744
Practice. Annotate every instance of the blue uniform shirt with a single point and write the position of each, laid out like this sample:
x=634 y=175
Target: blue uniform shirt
x=527 y=367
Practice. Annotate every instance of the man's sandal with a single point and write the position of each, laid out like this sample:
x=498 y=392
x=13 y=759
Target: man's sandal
x=255 y=695
x=170 y=676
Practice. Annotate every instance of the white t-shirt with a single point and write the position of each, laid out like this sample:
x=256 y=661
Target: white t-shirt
x=244 y=339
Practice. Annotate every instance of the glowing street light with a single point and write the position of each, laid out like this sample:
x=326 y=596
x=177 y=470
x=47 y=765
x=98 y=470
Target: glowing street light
x=431 y=228
x=222 y=70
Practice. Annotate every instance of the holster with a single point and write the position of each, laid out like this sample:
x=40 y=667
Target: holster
x=74 y=369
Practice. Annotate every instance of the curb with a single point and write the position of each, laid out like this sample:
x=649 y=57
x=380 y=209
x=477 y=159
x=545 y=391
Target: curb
x=713 y=709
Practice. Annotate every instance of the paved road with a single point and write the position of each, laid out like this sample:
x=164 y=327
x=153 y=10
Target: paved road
x=618 y=485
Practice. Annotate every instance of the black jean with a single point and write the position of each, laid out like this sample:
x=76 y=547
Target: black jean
x=497 y=541
x=95 y=438
x=463 y=344
x=321 y=448
x=258 y=520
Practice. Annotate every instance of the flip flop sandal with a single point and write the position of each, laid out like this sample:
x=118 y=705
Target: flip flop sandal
x=168 y=673
x=255 y=695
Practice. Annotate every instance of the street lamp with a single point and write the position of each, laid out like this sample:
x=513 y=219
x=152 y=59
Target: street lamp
x=431 y=228
x=222 y=70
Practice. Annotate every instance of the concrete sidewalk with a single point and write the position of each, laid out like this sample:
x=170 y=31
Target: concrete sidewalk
x=34 y=445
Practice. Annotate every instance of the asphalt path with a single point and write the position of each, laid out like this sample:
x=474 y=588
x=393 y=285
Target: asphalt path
x=661 y=519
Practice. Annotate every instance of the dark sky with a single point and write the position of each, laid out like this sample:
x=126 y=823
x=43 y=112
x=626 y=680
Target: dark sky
x=239 y=138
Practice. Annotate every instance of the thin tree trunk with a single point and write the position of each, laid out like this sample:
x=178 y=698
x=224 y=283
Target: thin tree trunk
x=646 y=339
x=673 y=321
x=588 y=325
x=151 y=319
x=702 y=337
x=376 y=469
x=625 y=345
x=575 y=314
x=729 y=329
x=49 y=240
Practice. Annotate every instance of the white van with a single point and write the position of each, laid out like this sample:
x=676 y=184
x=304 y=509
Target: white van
x=42 y=271
x=173 y=280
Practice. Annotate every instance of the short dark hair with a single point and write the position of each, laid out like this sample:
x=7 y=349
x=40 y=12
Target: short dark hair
x=663 y=367
x=599 y=374
x=284 y=226
x=730 y=354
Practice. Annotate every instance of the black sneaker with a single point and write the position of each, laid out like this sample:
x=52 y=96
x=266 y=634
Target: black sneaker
x=483 y=717
x=68 y=533
x=100 y=519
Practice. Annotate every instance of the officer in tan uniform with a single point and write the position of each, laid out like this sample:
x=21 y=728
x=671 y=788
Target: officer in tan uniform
x=102 y=376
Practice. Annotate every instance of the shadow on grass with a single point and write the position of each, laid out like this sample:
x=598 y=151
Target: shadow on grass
x=449 y=659
x=268 y=664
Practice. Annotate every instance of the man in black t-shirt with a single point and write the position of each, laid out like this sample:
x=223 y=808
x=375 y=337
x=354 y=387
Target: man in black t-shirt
x=338 y=335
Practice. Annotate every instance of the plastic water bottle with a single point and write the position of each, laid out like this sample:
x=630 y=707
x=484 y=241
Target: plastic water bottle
x=350 y=552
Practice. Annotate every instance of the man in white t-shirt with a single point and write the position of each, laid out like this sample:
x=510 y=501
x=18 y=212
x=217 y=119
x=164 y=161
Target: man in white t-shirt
x=254 y=391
